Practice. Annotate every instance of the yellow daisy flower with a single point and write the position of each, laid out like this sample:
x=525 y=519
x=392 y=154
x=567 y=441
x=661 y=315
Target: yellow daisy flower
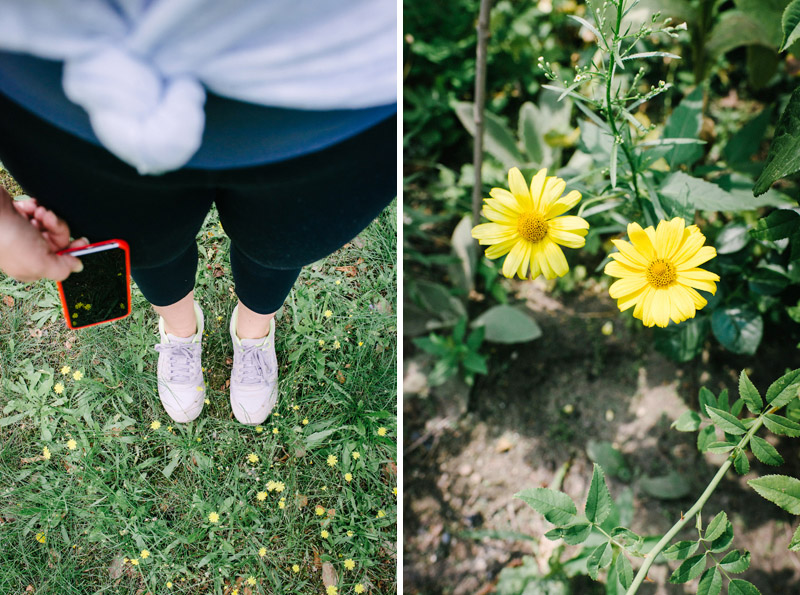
x=58 y=388
x=382 y=431
x=46 y=453
x=332 y=460
x=169 y=584
x=381 y=514
x=336 y=344
x=348 y=477
x=71 y=444
x=355 y=454
x=77 y=375
x=279 y=486
x=251 y=581
x=282 y=503
x=526 y=224
x=349 y=564
x=350 y=533
x=319 y=510
x=135 y=561
x=155 y=425
x=328 y=313
x=324 y=534
x=658 y=272
x=359 y=588
x=295 y=568
x=261 y=496
x=213 y=517
x=305 y=422
x=259 y=429
x=41 y=538
x=296 y=407
x=145 y=554
x=262 y=552
x=252 y=457
x=65 y=370
x=331 y=590
x=275 y=430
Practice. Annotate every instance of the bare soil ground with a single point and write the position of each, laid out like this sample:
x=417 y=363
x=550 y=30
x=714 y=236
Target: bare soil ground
x=539 y=410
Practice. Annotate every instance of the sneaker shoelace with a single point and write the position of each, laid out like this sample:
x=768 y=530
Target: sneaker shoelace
x=255 y=365
x=181 y=358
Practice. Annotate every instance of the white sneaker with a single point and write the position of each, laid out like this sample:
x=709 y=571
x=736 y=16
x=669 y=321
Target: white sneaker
x=254 y=378
x=180 y=376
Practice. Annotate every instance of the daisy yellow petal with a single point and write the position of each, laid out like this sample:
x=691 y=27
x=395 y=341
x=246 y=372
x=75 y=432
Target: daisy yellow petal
x=704 y=254
x=692 y=240
x=498 y=216
x=493 y=232
x=698 y=300
x=631 y=300
x=669 y=236
x=553 y=189
x=647 y=307
x=641 y=241
x=638 y=311
x=513 y=260
x=498 y=250
x=526 y=259
x=619 y=269
x=682 y=305
x=699 y=279
x=567 y=238
x=661 y=307
x=536 y=251
x=563 y=204
x=537 y=188
x=626 y=286
x=555 y=259
x=632 y=256
x=569 y=223
x=503 y=198
x=518 y=187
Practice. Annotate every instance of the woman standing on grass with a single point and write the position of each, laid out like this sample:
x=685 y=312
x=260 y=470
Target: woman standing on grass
x=129 y=119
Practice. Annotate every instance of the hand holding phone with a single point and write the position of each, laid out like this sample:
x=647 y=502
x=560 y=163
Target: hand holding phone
x=101 y=292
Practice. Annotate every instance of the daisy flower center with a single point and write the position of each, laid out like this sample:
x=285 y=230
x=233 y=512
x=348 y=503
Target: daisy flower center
x=532 y=226
x=661 y=273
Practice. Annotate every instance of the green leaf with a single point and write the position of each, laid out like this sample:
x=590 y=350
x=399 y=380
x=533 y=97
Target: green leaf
x=765 y=452
x=738 y=327
x=507 y=324
x=573 y=534
x=530 y=134
x=735 y=562
x=725 y=421
x=777 y=424
x=784 y=389
x=744 y=144
x=557 y=507
x=689 y=421
x=609 y=458
x=706 y=398
x=685 y=122
x=762 y=63
x=681 y=550
x=768 y=279
x=710 y=582
x=626 y=538
x=683 y=342
x=690 y=569
x=498 y=139
x=598 y=500
x=672 y=486
x=705 y=438
x=749 y=393
x=599 y=558
x=720 y=448
x=794 y=545
x=723 y=542
x=790 y=24
x=733 y=29
x=783 y=158
x=779 y=224
x=731 y=238
x=624 y=571
x=716 y=527
x=741 y=463
x=707 y=196
x=779 y=489
x=739 y=587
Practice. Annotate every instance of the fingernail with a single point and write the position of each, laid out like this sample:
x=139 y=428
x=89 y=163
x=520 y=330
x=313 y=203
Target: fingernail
x=79 y=267
x=84 y=239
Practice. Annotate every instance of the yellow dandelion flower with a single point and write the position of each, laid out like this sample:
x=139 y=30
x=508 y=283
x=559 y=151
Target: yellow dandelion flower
x=206 y=401
x=274 y=430
x=658 y=272
x=261 y=496
x=349 y=564
x=381 y=514
x=295 y=568
x=71 y=444
x=324 y=534
x=252 y=457
x=336 y=344
x=526 y=224
x=350 y=533
x=213 y=517
x=356 y=455
x=328 y=313
x=279 y=486
x=282 y=504
x=46 y=453
x=251 y=581
x=305 y=422
x=296 y=407
x=259 y=429
x=319 y=510
x=41 y=537
x=359 y=588
x=77 y=375
x=348 y=477
x=66 y=370
x=169 y=584
x=382 y=431
x=135 y=561
x=338 y=282
x=155 y=425
x=58 y=388
x=331 y=590
x=145 y=554
x=262 y=552
x=332 y=460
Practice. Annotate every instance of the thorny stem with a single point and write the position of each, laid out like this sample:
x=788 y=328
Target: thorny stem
x=696 y=508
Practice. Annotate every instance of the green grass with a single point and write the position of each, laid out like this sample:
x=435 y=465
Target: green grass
x=127 y=487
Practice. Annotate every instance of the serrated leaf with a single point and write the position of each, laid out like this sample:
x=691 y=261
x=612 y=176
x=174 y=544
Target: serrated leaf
x=624 y=571
x=573 y=534
x=731 y=238
x=706 y=397
x=741 y=463
x=681 y=550
x=690 y=569
x=739 y=587
x=765 y=452
x=705 y=438
x=784 y=389
x=689 y=421
x=717 y=526
x=599 y=558
x=710 y=582
x=790 y=24
x=557 y=507
x=598 y=500
x=723 y=542
x=739 y=327
x=725 y=421
x=783 y=158
x=779 y=489
x=794 y=545
x=750 y=394
x=735 y=562
x=778 y=225
x=777 y=424
x=625 y=537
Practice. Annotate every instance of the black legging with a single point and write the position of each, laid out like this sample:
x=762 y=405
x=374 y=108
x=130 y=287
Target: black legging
x=278 y=216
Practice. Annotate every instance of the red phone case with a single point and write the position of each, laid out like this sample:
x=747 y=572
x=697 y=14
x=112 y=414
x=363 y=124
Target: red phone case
x=126 y=249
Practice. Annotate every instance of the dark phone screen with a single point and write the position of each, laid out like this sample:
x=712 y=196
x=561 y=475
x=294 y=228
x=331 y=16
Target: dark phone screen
x=100 y=291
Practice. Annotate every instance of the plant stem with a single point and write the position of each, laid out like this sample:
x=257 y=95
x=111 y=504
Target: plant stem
x=480 y=100
x=694 y=510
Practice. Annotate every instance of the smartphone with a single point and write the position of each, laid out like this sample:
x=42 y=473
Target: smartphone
x=101 y=292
